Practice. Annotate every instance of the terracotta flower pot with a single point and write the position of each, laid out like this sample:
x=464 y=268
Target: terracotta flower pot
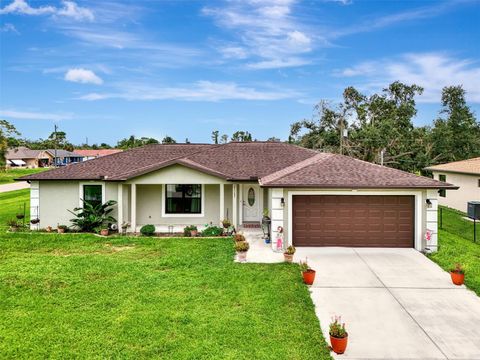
x=288 y=257
x=338 y=344
x=193 y=233
x=457 y=278
x=309 y=276
x=241 y=256
x=104 y=232
x=61 y=231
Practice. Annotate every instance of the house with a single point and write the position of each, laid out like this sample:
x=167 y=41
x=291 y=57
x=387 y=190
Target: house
x=89 y=154
x=466 y=175
x=25 y=157
x=314 y=199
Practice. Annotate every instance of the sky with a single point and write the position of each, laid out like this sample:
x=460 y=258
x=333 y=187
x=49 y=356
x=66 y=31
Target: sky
x=105 y=70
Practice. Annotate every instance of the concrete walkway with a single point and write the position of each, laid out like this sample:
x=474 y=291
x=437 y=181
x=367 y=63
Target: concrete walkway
x=397 y=304
x=14 y=186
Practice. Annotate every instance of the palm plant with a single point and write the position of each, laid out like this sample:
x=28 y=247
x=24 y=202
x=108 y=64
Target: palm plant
x=91 y=218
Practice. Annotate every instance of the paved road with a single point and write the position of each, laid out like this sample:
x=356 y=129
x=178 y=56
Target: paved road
x=14 y=186
x=397 y=304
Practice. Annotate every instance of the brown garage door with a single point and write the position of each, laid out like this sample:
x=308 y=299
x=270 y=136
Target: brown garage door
x=360 y=220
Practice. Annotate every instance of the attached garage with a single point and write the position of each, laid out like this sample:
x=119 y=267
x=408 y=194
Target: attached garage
x=353 y=220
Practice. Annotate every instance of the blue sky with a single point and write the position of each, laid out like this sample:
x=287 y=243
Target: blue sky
x=106 y=70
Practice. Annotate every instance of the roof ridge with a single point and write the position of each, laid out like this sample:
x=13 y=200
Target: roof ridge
x=294 y=168
x=158 y=166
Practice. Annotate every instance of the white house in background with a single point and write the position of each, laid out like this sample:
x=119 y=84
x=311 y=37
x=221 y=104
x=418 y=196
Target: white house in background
x=466 y=175
x=314 y=199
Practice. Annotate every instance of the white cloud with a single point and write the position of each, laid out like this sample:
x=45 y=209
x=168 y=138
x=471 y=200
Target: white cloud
x=198 y=91
x=83 y=76
x=267 y=33
x=9 y=27
x=432 y=71
x=24 y=115
x=70 y=10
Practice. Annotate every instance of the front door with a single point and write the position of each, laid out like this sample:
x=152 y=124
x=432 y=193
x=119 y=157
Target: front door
x=251 y=203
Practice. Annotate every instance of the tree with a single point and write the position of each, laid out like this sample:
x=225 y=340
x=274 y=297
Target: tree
x=456 y=133
x=168 y=140
x=133 y=142
x=273 y=139
x=241 y=136
x=215 y=136
x=6 y=131
x=224 y=138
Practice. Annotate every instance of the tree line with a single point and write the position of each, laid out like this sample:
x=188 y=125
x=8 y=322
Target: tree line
x=377 y=128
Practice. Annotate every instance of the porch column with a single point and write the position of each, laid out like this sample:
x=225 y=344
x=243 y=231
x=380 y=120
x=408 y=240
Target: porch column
x=120 y=207
x=234 y=205
x=240 y=203
x=222 y=201
x=133 y=214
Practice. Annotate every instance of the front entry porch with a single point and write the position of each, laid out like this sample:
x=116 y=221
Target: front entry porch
x=172 y=206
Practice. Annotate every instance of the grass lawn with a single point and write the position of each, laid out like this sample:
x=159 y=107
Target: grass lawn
x=10 y=174
x=72 y=295
x=456 y=246
x=12 y=202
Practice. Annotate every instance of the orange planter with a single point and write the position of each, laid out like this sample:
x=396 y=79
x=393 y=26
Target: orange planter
x=309 y=276
x=338 y=344
x=457 y=278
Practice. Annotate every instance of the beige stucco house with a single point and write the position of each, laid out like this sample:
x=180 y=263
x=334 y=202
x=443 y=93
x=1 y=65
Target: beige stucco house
x=313 y=199
x=466 y=175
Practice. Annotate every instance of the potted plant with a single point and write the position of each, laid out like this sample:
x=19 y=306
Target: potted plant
x=13 y=225
x=48 y=228
x=104 y=231
x=457 y=274
x=61 y=229
x=125 y=226
x=288 y=254
x=307 y=272
x=241 y=247
x=338 y=335
x=193 y=231
x=226 y=223
x=239 y=238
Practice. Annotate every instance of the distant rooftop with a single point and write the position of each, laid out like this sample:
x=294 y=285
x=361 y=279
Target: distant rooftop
x=470 y=166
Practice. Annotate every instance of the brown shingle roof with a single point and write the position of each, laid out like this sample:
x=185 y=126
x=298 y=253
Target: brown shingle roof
x=470 y=166
x=274 y=164
x=339 y=171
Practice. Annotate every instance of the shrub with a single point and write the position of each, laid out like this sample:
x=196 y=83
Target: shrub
x=242 y=246
x=212 y=231
x=239 y=237
x=91 y=218
x=337 y=329
x=458 y=269
x=147 y=230
x=12 y=223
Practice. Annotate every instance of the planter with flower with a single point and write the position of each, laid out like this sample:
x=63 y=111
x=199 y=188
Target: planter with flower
x=288 y=254
x=104 y=231
x=226 y=224
x=61 y=229
x=307 y=272
x=241 y=247
x=457 y=274
x=338 y=335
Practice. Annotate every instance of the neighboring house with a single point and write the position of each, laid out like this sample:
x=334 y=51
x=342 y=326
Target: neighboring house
x=24 y=157
x=466 y=175
x=64 y=157
x=314 y=199
x=93 y=154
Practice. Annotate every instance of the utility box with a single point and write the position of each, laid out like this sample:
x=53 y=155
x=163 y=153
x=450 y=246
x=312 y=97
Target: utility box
x=473 y=210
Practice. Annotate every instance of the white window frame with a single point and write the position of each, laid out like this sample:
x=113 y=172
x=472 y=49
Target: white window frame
x=180 y=215
x=80 y=191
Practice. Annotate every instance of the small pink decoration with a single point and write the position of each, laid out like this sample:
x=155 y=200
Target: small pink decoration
x=428 y=235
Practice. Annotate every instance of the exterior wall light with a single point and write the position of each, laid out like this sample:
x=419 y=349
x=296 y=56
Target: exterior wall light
x=429 y=203
x=282 y=202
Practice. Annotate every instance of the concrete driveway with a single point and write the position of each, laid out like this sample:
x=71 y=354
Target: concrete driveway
x=397 y=304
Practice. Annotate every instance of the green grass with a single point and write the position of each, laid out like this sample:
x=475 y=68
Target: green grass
x=72 y=295
x=11 y=203
x=456 y=249
x=453 y=222
x=10 y=174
